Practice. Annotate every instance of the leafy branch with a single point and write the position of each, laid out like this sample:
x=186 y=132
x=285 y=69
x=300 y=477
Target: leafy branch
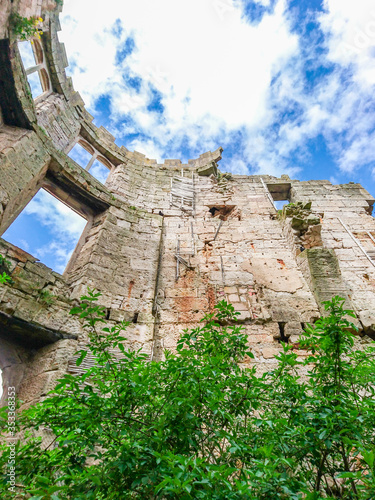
x=198 y=425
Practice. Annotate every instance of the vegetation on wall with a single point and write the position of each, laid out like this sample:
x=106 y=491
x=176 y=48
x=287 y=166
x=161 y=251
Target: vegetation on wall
x=4 y=270
x=25 y=28
x=198 y=425
x=45 y=296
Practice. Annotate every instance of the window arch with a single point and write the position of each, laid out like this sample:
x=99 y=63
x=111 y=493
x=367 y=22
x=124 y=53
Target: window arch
x=90 y=159
x=34 y=62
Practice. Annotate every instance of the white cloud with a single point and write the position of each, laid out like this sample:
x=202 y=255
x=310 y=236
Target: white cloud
x=218 y=74
x=64 y=226
x=57 y=216
x=213 y=73
x=265 y=3
x=147 y=147
x=338 y=106
x=351 y=36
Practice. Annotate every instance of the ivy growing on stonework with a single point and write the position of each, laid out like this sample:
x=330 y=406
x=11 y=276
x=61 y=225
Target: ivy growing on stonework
x=202 y=424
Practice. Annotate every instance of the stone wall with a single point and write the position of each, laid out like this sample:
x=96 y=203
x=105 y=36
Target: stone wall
x=163 y=242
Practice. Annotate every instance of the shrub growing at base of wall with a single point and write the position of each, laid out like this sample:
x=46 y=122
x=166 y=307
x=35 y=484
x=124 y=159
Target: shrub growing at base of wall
x=198 y=425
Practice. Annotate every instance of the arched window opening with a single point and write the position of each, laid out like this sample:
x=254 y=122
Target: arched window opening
x=91 y=160
x=33 y=59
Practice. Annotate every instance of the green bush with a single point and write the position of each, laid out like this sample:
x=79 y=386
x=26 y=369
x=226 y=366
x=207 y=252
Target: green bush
x=198 y=425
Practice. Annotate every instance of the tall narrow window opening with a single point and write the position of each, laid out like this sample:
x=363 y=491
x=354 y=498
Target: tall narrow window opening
x=33 y=59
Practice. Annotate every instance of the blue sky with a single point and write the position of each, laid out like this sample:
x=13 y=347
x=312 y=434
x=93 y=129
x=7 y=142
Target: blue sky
x=284 y=86
x=47 y=229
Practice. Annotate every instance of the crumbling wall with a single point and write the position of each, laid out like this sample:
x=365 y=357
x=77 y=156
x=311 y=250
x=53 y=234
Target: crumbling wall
x=348 y=229
x=37 y=333
x=24 y=162
x=234 y=249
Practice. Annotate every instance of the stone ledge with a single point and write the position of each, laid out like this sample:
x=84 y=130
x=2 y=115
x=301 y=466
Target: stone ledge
x=29 y=334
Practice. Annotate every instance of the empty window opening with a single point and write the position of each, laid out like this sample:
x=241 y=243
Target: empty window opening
x=33 y=59
x=47 y=229
x=99 y=170
x=135 y=318
x=91 y=160
x=279 y=191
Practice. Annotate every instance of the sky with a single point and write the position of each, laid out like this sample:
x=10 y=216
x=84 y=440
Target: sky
x=284 y=86
x=47 y=229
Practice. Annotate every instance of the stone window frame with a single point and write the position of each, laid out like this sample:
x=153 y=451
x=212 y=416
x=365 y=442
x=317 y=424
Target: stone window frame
x=95 y=154
x=277 y=191
x=88 y=207
x=41 y=68
x=61 y=196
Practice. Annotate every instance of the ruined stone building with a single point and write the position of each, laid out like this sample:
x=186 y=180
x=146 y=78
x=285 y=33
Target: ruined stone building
x=163 y=242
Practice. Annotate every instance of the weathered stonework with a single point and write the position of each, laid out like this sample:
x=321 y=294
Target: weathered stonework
x=163 y=242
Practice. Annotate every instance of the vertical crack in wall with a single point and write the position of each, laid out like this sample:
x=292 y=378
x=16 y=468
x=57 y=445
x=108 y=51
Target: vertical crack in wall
x=156 y=289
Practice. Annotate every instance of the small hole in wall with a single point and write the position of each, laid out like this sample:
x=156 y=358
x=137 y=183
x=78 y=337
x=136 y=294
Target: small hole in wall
x=303 y=326
x=135 y=318
x=107 y=313
x=222 y=211
x=282 y=338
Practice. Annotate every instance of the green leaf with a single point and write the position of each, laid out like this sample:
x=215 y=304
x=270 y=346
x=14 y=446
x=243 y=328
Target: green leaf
x=81 y=358
x=369 y=457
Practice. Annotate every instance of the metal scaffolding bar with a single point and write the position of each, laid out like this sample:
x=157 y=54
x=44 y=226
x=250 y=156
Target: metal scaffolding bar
x=356 y=241
x=218 y=229
x=268 y=193
x=192 y=239
x=178 y=260
x=371 y=236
